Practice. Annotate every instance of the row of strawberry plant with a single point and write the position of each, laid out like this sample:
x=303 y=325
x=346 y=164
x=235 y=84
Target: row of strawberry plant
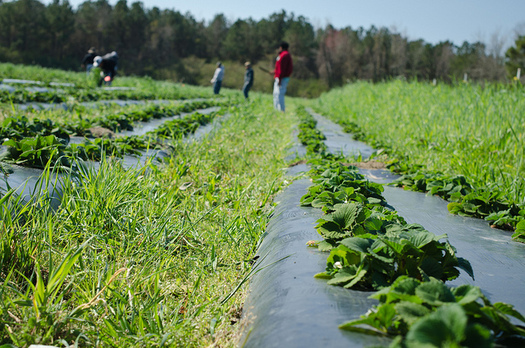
x=465 y=199
x=431 y=314
x=20 y=96
x=308 y=135
x=17 y=128
x=371 y=247
x=39 y=150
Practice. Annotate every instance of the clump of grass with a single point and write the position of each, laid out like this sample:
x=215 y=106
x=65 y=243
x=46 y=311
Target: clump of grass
x=474 y=131
x=149 y=256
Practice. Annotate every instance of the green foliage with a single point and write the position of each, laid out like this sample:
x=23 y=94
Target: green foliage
x=34 y=152
x=178 y=128
x=515 y=57
x=162 y=249
x=373 y=259
x=34 y=142
x=45 y=300
x=480 y=173
x=21 y=127
x=430 y=314
x=77 y=94
x=450 y=188
x=465 y=200
x=335 y=183
x=308 y=134
x=371 y=246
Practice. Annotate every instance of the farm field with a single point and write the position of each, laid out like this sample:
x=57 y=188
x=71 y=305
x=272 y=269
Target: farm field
x=368 y=244
x=160 y=253
x=75 y=87
x=443 y=133
x=145 y=256
x=465 y=129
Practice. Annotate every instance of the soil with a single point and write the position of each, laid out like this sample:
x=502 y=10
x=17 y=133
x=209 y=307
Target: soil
x=297 y=163
x=369 y=165
x=101 y=132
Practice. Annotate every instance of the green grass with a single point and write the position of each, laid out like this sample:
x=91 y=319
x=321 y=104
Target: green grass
x=85 y=86
x=473 y=130
x=149 y=256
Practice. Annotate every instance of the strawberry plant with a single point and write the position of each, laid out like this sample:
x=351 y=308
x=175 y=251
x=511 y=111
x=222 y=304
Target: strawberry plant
x=35 y=152
x=372 y=259
x=354 y=219
x=430 y=314
x=335 y=183
x=21 y=127
x=309 y=136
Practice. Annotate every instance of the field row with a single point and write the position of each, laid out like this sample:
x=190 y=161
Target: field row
x=136 y=258
x=55 y=86
x=372 y=247
x=463 y=143
x=35 y=142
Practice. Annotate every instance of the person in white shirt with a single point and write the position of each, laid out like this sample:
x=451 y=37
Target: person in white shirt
x=217 y=78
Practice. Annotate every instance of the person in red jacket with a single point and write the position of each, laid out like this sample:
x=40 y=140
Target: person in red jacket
x=282 y=72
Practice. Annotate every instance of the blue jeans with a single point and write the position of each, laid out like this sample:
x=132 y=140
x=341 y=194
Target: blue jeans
x=217 y=86
x=245 y=89
x=279 y=92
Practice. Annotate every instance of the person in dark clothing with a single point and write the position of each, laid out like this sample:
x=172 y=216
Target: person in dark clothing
x=248 y=79
x=87 y=61
x=108 y=64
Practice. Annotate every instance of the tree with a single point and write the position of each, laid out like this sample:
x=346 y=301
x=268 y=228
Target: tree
x=215 y=35
x=271 y=31
x=336 y=58
x=23 y=25
x=92 y=23
x=60 y=24
x=515 y=56
x=444 y=56
x=415 y=59
x=301 y=37
x=398 y=55
x=242 y=42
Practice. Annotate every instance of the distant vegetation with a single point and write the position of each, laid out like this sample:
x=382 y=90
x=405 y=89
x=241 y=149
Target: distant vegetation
x=166 y=44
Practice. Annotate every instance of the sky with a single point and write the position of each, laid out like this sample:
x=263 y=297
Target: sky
x=432 y=21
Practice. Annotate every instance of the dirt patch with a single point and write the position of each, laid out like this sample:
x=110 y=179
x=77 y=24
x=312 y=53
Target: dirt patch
x=297 y=163
x=369 y=165
x=101 y=132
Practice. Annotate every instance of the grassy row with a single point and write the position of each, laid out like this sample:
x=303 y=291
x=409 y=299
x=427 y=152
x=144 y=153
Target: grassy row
x=372 y=247
x=72 y=95
x=467 y=129
x=463 y=143
x=145 y=257
x=143 y=88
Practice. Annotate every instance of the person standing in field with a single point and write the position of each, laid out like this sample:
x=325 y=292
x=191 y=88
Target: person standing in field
x=217 y=78
x=282 y=72
x=87 y=61
x=248 y=79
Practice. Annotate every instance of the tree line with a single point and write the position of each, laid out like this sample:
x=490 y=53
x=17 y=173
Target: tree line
x=153 y=41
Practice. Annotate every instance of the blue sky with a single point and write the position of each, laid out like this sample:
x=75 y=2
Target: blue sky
x=433 y=21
